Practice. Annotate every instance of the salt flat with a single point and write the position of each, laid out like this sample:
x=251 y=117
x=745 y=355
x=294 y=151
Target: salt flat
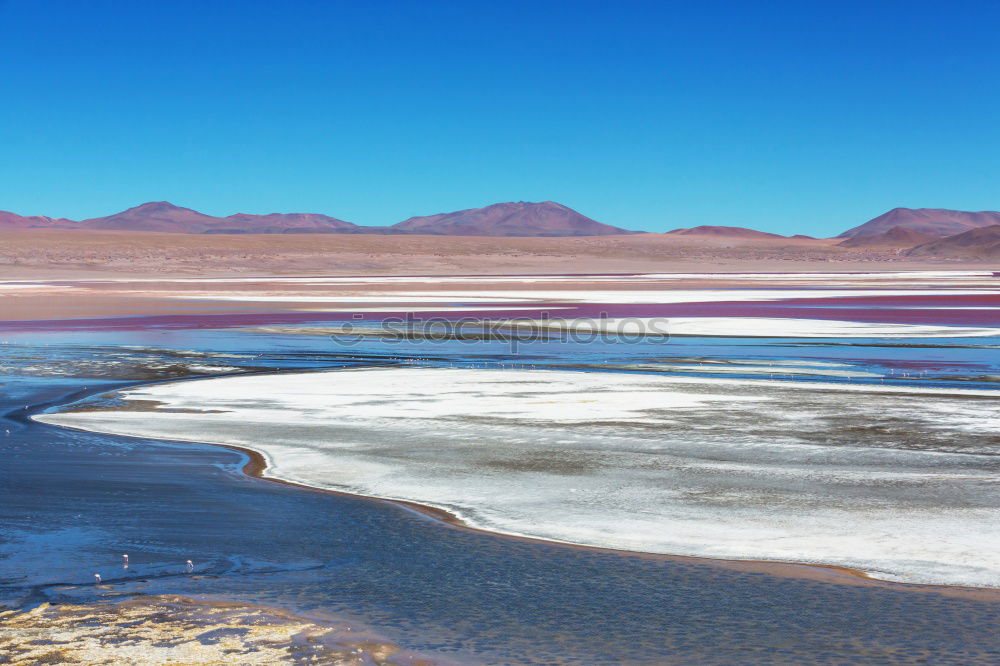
x=769 y=327
x=896 y=481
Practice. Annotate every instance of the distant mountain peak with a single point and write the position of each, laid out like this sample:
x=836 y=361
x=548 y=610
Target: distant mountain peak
x=938 y=222
x=511 y=218
x=156 y=206
x=729 y=232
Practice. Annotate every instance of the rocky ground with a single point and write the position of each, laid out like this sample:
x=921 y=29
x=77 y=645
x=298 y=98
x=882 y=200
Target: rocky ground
x=177 y=630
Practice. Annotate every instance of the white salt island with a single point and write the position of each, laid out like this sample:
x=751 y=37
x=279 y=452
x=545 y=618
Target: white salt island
x=901 y=483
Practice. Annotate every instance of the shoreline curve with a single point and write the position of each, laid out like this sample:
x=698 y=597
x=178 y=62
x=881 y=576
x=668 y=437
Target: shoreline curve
x=256 y=466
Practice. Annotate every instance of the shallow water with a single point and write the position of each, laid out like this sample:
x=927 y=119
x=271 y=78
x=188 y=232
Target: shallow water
x=72 y=502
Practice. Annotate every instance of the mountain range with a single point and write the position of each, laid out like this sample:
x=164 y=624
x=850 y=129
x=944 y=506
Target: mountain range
x=521 y=218
x=910 y=231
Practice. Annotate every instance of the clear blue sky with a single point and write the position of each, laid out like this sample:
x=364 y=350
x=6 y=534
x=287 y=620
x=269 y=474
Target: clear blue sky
x=802 y=116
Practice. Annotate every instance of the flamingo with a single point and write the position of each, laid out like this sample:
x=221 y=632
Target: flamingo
x=97 y=577
x=125 y=561
x=190 y=566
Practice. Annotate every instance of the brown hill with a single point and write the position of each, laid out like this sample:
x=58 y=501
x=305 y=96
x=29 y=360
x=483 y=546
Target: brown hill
x=897 y=237
x=938 y=222
x=729 y=232
x=15 y=221
x=154 y=216
x=981 y=243
x=521 y=218
x=163 y=216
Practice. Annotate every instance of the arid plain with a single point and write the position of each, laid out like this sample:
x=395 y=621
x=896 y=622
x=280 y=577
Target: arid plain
x=58 y=254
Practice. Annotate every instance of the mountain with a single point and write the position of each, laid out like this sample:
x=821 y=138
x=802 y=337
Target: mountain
x=938 y=222
x=897 y=237
x=521 y=218
x=165 y=217
x=983 y=243
x=154 y=216
x=15 y=221
x=728 y=232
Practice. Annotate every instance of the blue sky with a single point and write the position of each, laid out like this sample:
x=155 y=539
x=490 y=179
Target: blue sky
x=793 y=117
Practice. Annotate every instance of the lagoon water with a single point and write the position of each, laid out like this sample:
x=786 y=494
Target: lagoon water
x=73 y=501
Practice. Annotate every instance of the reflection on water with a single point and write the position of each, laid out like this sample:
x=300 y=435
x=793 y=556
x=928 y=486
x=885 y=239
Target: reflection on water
x=71 y=503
